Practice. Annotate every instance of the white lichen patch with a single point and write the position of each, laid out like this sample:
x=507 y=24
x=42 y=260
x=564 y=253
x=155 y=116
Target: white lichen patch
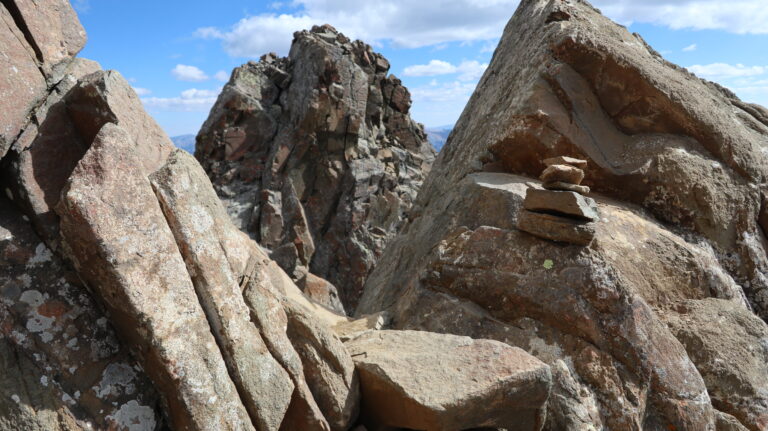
x=42 y=255
x=117 y=379
x=132 y=416
x=37 y=323
x=72 y=344
x=203 y=220
x=33 y=298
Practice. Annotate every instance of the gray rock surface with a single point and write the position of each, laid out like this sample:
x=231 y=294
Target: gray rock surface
x=316 y=157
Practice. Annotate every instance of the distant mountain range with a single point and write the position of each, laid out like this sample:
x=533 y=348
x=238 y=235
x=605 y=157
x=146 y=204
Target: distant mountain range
x=438 y=135
x=185 y=142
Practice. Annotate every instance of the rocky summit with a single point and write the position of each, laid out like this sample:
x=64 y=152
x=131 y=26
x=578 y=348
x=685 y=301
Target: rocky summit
x=588 y=251
x=316 y=157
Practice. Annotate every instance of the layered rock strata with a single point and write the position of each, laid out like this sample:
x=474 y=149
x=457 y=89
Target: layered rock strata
x=317 y=159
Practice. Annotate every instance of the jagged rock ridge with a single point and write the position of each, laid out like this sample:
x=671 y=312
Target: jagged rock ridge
x=316 y=156
x=631 y=324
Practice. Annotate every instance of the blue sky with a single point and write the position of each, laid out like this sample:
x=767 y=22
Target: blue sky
x=178 y=54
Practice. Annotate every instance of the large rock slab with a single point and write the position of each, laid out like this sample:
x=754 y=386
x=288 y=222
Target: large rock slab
x=204 y=235
x=427 y=381
x=591 y=313
x=116 y=234
x=316 y=157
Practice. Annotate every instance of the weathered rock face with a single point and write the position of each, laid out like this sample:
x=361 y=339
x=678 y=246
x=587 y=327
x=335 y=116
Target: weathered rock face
x=316 y=157
x=678 y=167
x=124 y=286
x=59 y=349
x=425 y=381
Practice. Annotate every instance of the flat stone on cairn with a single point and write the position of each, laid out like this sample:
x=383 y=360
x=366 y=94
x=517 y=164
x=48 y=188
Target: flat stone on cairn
x=560 y=212
x=566 y=203
x=564 y=160
x=562 y=173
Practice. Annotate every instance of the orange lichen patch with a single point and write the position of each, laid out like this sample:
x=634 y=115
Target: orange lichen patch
x=52 y=309
x=7 y=327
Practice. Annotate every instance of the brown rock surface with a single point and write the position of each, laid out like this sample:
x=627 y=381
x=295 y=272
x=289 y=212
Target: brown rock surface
x=316 y=156
x=322 y=292
x=100 y=199
x=427 y=381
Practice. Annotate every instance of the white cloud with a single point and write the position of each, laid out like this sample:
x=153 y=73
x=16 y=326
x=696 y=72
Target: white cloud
x=690 y=48
x=433 y=68
x=455 y=91
x=440 y=103
x=467 y=70
x=82 y=6
x=192 y=100
x=735 y=16
x=142 y=91
x=258 y=35
x=222 y=76
x=415 y=24
x=471 y=70
x=184 y=72
x=720 y=71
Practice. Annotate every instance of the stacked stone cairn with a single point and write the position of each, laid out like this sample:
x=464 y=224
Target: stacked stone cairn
x=560 y=212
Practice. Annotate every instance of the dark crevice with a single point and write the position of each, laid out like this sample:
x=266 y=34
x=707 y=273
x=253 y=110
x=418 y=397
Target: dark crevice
x=557 y=16
x=23 y=28
x=555 y=213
